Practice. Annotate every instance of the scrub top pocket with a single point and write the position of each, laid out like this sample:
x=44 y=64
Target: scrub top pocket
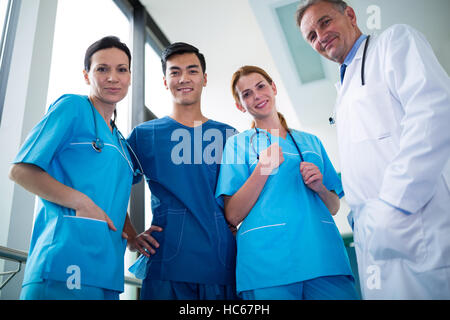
x=172 y=222
x=91 y=248
x=263 y=256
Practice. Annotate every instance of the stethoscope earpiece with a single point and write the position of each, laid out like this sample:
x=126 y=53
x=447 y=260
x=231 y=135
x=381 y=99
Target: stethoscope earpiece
x=331 y=120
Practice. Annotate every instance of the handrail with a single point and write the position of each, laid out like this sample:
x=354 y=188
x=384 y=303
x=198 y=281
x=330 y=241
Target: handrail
x=13 y=254
x=21 y=257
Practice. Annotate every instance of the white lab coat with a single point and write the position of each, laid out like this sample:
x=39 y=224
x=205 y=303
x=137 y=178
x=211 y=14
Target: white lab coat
x=394 y=145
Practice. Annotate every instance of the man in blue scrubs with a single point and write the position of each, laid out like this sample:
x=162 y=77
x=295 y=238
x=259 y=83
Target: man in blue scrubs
x=194 y=257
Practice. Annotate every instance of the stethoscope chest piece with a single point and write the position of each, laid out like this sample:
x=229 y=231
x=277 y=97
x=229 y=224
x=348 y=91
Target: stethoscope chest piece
x=98 y=145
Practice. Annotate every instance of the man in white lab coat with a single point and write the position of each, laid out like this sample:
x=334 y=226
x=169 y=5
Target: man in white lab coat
x=393 y=127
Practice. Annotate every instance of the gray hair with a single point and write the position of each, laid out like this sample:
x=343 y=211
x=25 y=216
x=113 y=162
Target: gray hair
x=305 y=4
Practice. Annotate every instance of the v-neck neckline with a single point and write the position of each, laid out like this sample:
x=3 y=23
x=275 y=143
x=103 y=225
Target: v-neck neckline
x=97 y=115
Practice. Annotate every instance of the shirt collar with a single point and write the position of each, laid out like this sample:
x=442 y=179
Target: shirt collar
x=352 y=53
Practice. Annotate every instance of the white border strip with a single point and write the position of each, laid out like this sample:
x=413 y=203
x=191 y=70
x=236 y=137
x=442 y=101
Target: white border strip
x=272 y=225
x=86 y=218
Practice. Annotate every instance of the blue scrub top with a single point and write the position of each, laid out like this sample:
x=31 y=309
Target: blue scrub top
x=181 y=167
x=289 y=235
x=61 y=145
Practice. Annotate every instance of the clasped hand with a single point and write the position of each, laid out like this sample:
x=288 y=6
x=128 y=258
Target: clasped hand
x=272 y=157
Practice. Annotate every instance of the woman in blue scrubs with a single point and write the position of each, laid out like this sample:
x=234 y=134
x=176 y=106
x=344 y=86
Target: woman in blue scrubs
x=280 y=188
x=78 y=164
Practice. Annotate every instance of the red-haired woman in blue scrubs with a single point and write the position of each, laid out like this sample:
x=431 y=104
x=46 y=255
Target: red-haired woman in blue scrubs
x=280 y=188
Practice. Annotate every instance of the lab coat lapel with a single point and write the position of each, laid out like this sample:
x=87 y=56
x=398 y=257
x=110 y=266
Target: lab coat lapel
x=353 y=70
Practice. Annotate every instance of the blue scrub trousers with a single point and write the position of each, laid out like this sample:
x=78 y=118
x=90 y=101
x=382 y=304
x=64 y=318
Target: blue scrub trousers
x=153 y=289
x=322 y=288
x=57 y=290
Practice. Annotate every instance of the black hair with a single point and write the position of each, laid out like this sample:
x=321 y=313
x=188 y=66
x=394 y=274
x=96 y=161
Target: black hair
x=105 y=43
x=181 y=48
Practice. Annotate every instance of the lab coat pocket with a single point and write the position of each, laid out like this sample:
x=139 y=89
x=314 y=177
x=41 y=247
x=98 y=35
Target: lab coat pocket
x=172 y=222
x=394 y=234
x=87 y=250
x=371 y=113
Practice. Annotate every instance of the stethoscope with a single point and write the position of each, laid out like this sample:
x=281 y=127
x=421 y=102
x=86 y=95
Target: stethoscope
x=98 y=145
x=363 y=82
x=256 y=134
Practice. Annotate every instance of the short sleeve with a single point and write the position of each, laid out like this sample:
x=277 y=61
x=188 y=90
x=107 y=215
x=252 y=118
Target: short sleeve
x=234 y=170
x=331 y=179
x=51 y=133
x=133 y=143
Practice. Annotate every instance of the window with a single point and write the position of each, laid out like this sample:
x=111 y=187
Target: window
x=9 y=10
x=3 y=12
x=157 y=97
x=158 y=101
x=307 y=62
x=78 y=25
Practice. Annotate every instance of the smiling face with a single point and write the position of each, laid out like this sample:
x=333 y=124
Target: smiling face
x=185 y=79
x=109 y=76
x=256 y=96
x=329 y=31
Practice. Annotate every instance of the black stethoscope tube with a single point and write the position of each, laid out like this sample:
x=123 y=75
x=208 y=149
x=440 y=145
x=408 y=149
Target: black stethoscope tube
x=363 y=67
x=288 y=131
x=98 y=144
x=363 y=63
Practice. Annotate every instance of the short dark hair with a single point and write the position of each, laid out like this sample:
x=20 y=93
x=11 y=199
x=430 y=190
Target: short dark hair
x=181 y=48
x=305 y=4
x=105 y=43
